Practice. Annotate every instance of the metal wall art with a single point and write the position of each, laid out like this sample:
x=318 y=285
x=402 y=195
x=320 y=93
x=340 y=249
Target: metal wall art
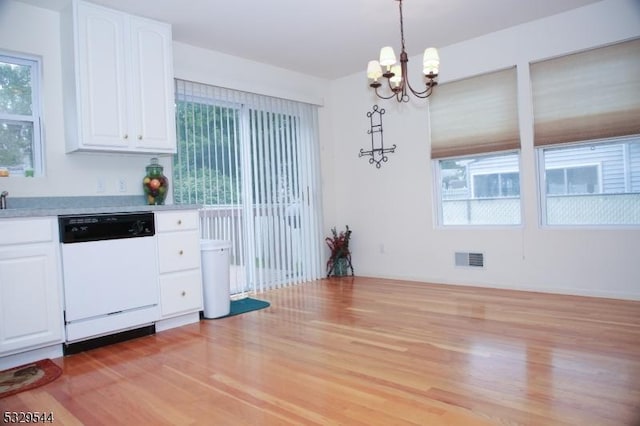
x=378 y=151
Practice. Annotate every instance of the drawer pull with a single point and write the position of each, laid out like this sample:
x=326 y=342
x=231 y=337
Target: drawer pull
x=179 y=221
x=184 y=293
x=139 y=137
x=181 y=252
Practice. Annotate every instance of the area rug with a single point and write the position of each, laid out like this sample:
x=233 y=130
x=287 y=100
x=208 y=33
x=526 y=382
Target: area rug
x=28 y=376
x=245 y=305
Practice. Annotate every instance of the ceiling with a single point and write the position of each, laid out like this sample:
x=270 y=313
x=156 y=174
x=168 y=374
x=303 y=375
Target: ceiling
x=330 y=38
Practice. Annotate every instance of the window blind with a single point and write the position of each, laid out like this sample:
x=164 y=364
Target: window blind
x=252 y=160
x=475 y=115
x=588 y=95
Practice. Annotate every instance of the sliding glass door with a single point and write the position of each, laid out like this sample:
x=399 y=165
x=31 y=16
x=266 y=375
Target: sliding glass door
x=251 y=161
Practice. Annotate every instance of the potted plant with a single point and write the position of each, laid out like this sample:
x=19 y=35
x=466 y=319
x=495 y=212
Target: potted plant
x=339 y=261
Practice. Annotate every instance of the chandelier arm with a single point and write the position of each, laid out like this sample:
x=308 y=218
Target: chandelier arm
x=424 y=94
x=385 y=97
x=404 y=60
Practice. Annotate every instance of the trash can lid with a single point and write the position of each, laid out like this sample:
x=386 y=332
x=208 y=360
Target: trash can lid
x=206 y=244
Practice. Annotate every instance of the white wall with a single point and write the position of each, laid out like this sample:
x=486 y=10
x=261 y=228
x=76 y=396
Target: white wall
x=391 y=209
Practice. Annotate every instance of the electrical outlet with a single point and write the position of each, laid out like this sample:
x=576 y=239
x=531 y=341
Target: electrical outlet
x=122 y=185
x=100 y=185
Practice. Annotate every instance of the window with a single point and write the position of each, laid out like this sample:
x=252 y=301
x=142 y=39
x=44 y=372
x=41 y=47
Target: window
x=20 y=136
x=586 y=132
x=475 y=147
x=605 y=192
x=479 y=190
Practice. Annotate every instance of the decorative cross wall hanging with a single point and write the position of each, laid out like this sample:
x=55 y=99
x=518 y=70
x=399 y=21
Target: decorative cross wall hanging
x=377 y=154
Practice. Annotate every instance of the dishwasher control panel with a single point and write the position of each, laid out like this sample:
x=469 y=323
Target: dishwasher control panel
x=108 y=226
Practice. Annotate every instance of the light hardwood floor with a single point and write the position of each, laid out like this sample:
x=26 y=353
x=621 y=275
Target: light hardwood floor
x=359 y=351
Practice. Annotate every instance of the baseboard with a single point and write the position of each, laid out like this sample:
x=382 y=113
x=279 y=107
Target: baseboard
x=178 y=321
x=53 y=351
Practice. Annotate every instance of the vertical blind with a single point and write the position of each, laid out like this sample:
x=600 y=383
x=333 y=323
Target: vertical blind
x=588 y=95
x=252 y=161
x=475 y=115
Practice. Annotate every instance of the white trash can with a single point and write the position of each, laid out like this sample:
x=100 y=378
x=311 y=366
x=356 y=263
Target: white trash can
x=215 y=277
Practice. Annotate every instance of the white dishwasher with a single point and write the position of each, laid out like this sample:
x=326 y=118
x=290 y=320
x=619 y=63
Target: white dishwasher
x=110 y=274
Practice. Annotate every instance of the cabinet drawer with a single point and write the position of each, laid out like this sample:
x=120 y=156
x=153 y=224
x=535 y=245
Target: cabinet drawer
x=178 y=251
x=181 y=220
x=24 y=231
x=181 y=292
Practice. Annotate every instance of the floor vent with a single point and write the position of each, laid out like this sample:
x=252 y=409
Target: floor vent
x=474 y=260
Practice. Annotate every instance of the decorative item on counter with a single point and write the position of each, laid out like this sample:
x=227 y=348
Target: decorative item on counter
x=155 y=184
x=4 y=172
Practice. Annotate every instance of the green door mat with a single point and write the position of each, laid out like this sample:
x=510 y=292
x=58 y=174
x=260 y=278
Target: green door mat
x=247 y=304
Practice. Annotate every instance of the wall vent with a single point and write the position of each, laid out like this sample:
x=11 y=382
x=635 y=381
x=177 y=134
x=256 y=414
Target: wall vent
x=473 y=260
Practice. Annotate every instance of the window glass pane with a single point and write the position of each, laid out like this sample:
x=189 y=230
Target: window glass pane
x=15 y=88
x=208 y=154
x=510 y=184
x=592 y=183
x=555 y=181
x=480 y=190
x=16 y=150
x=582 y=180
x=486 y=186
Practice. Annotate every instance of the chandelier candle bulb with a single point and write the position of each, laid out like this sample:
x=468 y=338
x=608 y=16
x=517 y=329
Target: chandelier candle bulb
x=374 y=71
x=431 y=62
x=397 y=76
x=387 y=57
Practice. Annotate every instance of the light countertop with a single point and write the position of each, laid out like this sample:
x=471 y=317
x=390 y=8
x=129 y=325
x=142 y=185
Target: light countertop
x=60 y=206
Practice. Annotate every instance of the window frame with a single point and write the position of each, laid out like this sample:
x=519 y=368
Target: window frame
x=37 y=144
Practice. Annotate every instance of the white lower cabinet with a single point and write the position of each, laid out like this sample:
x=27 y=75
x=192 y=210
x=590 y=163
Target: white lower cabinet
x=180 y=292
x=30 y=285
x=180 y=279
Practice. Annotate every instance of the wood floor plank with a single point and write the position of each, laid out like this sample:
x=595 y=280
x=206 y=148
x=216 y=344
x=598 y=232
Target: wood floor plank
x=365 y=351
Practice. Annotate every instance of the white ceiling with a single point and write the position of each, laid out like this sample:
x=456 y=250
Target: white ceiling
x=330 y=38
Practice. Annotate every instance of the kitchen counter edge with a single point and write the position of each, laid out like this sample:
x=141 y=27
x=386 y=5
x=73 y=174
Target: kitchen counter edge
x=43 y=212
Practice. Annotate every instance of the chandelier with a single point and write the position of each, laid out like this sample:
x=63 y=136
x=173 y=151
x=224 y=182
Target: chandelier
x=396 y=74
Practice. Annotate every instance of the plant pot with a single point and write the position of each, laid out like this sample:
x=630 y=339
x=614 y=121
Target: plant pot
x=340 y=267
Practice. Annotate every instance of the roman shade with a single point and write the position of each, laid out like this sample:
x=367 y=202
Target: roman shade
x=589 y=95
x=475 y=115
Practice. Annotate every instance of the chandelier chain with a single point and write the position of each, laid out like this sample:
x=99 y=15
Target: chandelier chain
x=401 y=26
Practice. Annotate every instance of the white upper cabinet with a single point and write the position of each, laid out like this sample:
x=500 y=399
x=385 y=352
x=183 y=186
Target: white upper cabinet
x=118 y=81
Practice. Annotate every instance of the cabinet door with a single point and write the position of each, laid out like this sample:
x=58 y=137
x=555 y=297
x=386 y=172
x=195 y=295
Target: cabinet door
x=152 y=86
x=178 y=251
x=102 y=77
x=180 y=292
x=30 y=305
